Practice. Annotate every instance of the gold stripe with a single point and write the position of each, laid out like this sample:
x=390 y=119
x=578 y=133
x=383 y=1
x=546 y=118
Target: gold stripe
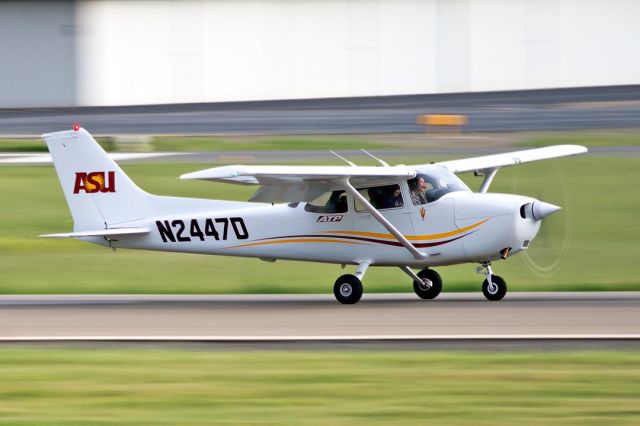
x=302 y=240
x=413 y=237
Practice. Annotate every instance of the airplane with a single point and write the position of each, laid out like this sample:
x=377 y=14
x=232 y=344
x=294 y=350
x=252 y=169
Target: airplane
x=411 y=217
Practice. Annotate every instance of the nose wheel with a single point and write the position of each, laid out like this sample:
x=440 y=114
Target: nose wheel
x=493 y=287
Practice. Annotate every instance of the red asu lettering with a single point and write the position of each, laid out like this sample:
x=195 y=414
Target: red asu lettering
x=333 y=218
x=95 y=182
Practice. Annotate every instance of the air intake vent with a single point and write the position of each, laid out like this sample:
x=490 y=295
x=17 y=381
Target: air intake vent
x=523 y=210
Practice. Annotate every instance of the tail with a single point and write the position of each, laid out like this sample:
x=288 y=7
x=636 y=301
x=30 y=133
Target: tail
x=99 y=194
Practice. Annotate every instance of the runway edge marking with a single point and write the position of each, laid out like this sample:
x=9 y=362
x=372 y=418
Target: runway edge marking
x=327 y=338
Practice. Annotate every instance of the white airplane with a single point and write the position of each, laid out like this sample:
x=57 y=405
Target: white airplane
x=406 y=216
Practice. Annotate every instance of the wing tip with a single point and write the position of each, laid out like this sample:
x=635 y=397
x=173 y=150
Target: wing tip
x=576 y=147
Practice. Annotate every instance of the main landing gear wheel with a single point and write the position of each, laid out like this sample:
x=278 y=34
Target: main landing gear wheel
x=494 y=290
x=348 y=289
x=431 y=285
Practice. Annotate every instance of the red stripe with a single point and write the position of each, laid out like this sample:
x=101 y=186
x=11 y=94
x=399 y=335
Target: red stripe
x=371 y=240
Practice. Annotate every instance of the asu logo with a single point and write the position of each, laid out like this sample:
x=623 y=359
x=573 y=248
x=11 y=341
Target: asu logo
x=95 y=182
x=422 y=212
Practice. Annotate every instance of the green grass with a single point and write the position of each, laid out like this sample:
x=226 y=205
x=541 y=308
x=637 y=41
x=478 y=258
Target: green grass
x=599 y=224
x=591 y=139
x=282 y=143
x=596 y=138
x=169 y=387
x=22 y=145
x=205 y=143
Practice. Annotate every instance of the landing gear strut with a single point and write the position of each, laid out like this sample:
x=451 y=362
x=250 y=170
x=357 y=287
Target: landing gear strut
x=493 y=287
x=348 y=288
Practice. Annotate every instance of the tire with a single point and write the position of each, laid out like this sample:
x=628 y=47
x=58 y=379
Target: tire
x=499 y=290
x=436 y=284
x=348 y=289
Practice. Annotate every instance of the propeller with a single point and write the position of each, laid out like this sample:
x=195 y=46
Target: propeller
x=544 y=182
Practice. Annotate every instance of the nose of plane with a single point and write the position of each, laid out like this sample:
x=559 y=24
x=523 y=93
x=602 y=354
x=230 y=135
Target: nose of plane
x=540 y=209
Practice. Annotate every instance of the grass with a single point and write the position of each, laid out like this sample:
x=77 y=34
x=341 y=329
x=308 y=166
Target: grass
x=591 y=245
x=201 y=143
x=282 y=143
x=22 y=145
x=597 y=138
x=592 y=139
x=114 y=386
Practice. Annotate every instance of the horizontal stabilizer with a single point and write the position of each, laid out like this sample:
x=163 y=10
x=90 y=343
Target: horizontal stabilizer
x=110 y=233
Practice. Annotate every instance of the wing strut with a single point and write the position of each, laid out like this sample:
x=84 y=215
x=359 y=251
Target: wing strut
x=384 y=222
x=489 y=174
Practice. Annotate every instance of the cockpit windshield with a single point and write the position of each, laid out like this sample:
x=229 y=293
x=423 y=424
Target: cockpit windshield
x=431 y=183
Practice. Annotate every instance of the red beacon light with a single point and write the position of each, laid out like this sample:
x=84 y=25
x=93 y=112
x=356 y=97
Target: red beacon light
x=76 y=127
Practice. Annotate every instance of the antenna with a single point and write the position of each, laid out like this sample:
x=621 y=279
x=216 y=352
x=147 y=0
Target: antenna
x=342 y=158
x=384 y=163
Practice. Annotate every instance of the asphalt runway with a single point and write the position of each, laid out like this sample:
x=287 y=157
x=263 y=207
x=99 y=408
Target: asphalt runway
x=605 y=316
x=552 y=109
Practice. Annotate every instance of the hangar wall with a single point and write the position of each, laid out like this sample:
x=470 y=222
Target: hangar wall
x=37 y=54
x=121 y=52
x=204 y=51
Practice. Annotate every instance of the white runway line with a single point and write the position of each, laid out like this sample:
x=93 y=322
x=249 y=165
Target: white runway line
x=359 y=338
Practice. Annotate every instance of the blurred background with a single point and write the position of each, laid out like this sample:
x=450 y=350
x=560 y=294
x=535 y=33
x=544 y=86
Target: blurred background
x=214 y=82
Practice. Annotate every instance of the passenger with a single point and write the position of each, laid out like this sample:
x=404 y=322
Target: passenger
x=418 y=187
x=337 y=203
x=393 y=199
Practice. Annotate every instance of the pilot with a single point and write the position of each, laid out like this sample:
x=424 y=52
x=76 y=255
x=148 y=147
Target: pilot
x=392 y=199
x=418 y=187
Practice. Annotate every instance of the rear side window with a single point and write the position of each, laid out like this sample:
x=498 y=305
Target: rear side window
x=381 y=197
x=329 y=202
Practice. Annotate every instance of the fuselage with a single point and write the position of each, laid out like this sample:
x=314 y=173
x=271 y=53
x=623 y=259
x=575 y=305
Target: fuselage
x=459 y=227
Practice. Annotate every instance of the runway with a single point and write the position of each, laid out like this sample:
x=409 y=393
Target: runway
x=295 y=318
x=551 y=109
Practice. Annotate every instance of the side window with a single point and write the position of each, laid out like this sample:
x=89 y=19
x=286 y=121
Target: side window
x=381 y=197
x=329 y=202
x=419 y=186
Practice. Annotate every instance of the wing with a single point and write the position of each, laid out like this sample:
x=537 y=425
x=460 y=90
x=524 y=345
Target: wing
x=305 y=183
x=300 y=183
x=490 y=162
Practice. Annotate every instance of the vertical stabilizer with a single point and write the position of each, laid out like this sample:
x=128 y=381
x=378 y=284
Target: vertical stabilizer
x=98 y=192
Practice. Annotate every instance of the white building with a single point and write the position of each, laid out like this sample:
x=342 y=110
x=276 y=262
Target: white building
x=117 y=52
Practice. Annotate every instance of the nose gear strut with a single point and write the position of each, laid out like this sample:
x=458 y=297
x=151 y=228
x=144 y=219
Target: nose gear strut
x=493 y=287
